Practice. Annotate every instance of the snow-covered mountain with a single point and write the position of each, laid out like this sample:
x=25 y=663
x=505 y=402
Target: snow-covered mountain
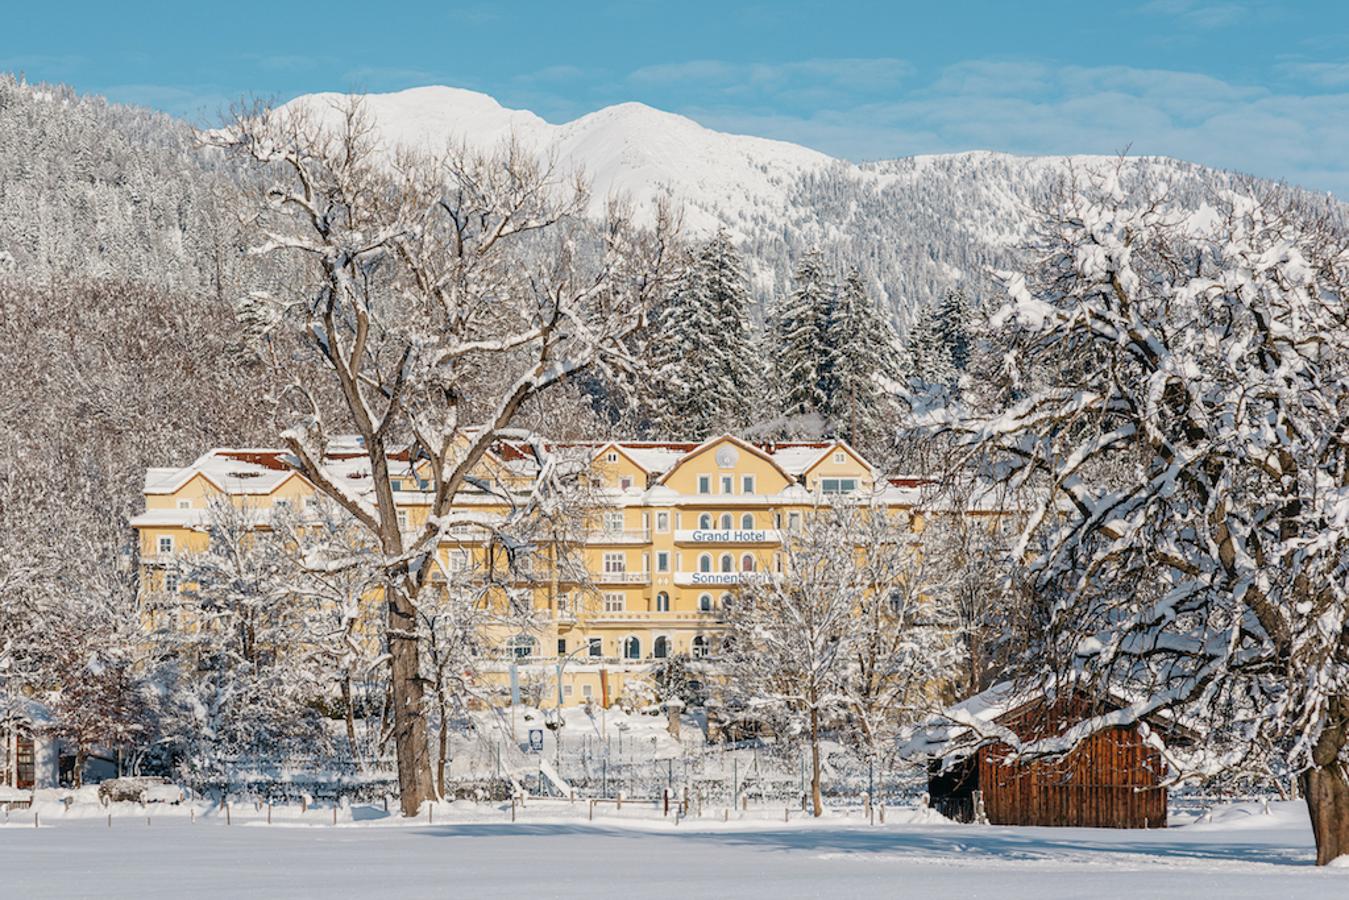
x=915 y=226
x=92 y=189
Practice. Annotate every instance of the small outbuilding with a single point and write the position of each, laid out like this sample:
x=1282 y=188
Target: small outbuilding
x=1112 y=779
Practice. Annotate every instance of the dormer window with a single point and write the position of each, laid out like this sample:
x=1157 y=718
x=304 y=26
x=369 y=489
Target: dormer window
x=611 y=457
x=840 y=457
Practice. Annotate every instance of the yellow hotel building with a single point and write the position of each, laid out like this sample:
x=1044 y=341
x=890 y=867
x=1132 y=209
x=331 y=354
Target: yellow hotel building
x=678 y=528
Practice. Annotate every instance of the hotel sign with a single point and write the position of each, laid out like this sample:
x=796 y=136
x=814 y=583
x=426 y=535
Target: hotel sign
x=728 y=536
x=719 y=578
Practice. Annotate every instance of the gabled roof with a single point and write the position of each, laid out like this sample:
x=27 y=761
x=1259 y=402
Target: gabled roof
x=745 y=445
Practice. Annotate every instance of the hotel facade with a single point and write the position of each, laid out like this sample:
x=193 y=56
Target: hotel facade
x=673 y=532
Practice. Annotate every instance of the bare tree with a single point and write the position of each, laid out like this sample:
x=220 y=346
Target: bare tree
x=1176 y=387
x=444 y=294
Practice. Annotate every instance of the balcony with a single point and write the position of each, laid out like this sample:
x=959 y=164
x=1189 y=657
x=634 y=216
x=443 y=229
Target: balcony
x=627 y=536
x=647 y=617
x=622 y=578
x=748 y=536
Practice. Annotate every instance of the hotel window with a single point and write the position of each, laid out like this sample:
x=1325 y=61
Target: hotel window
x=747 y=521
x=699 y=647
x=660 y=648
x=727 y=563
x=171 y=582
x=662 y=521
x=728 y=484
x=165 y=544
x=705 y=522
x=615 y=563
x=397 y=484
x=704 y=484
x=562 y=602
x=747 y=563
x=839 y=457
x=632 y=648
x=705 y=603
x=521 y=646
x=402 y=518
x=613 y=603
x=586 y=691
x=566 y=690
x=662 y=560
x=561 y=646
x=662 y=602
x=458 y=560
x=793 y=521
x=625 y=483
x=725 y=601
x=705 y=563
x=613 y=521
x=747 y=484
x=838 y=485
x=612 y=457
x=726 y=521
x=596 y=650
x=184 y=504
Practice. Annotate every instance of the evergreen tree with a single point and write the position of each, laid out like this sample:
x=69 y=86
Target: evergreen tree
x=862 y=346
x=939 y=341
x=801 y=356
x=705 y=361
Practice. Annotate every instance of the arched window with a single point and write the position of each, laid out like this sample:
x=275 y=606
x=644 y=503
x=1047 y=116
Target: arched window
x=705 y=563
x=632 y=648
x=747 y=563
x=727 y=563
x=660 y=648
x=747 y=521
x=726 y=522
x=662 y=602
x=699 y=646
x=705 y=522
x=521 y=646
x=705 y=603
x=725 y=601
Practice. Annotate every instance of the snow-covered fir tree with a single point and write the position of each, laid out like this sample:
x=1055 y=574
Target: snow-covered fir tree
x=862 y=350
x=800 y=325
x=706 y=363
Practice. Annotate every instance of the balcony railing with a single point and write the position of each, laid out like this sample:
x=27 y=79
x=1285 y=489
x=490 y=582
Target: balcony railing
x=626 y=536
x=622 y=577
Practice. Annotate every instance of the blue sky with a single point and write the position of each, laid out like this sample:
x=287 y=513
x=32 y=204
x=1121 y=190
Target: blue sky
x=1248 y=84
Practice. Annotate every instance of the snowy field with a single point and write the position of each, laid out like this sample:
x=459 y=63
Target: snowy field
x=554 y=850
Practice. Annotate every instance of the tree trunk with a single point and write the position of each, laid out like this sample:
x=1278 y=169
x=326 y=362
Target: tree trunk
x=1326 y=786
x=817 y=801
x=444 y=746
x=409 y=711
x=78 y=775
x=351 y=721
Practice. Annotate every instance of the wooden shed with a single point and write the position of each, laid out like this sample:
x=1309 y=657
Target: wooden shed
x=1112 y=779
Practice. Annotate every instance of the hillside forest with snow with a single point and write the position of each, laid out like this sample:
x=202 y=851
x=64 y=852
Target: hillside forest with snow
x=1149 y=357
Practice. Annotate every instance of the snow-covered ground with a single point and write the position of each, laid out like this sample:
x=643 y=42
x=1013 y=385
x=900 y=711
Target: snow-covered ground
x=553 y=849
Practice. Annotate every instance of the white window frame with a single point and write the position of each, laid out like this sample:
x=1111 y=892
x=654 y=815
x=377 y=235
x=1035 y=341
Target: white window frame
x=840 y=457
x=747 y=522
x=705 y=603
x=612 y=457
x=615 y=601
x=662 y=602
x=746 y=484
x=164 y=544
x=613 y=521
x=704 y=484
x=403 y=518
x=594 y=650
x=184 y=504
x=615 y=563
x=662 y=560
x=662 y=521
x=728 y=484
